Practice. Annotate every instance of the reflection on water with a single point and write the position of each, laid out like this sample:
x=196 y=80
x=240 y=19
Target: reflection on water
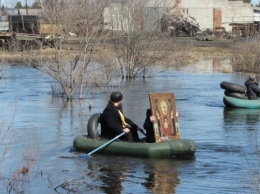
x=45 y=127
x=152 y=175
x=250 y=117
x=112 y=179
x=209 y=66
x=162 y=178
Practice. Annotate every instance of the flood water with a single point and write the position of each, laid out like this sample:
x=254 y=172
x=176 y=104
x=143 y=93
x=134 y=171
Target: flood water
x=37 y=132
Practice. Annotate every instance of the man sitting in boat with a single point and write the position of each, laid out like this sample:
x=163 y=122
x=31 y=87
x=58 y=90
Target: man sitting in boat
x=148 y=126
x=253 y=92
x=113 y=122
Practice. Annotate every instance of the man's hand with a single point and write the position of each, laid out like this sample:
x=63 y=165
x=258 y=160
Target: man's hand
x=152 y=119
x=126 y=130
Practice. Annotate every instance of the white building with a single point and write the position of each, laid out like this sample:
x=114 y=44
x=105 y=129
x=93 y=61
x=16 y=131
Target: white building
x=211 y=14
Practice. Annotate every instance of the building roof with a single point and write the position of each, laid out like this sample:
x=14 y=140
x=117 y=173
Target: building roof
x=9 y=11
x=29 y=11
x=256 y=8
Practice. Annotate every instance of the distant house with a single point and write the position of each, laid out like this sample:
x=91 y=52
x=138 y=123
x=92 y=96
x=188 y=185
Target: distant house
x=124 y=17
x=214 y=14
x=25 y=21
x=30 y=21
x=211 y=14
x=24 y=24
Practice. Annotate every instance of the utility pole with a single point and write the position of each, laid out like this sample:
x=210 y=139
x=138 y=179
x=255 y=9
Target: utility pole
x=26 y=7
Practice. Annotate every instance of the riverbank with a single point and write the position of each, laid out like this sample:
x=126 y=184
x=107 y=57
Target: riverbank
x=195 y=49
x=221 y=48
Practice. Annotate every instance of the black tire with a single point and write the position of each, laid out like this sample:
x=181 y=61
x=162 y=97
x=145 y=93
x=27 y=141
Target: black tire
x=235 y=95
x=236 y=88
x=92 y=126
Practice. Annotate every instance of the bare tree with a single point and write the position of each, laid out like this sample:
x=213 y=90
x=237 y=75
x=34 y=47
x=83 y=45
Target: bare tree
x=137 y=40
x=71 y=68
x=137 y=37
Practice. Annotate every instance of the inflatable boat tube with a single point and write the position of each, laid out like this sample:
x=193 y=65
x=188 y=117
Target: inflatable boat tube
x=241 y=103
x=236 y=88
x=92 y=126
x=167 y=149
x=235 y=95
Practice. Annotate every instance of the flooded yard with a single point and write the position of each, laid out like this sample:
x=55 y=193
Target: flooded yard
x=37 y=132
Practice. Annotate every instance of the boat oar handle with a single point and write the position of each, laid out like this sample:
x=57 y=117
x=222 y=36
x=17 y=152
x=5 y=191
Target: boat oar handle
x=106 y=144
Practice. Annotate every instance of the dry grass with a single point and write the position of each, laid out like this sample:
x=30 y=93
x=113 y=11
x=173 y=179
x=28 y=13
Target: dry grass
x=205 y=53
x=196 y=50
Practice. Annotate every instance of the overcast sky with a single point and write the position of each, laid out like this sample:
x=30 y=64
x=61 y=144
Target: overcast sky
x=12 y=3
x=255 y=2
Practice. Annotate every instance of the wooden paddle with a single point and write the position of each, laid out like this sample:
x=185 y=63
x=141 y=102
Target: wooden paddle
x=106 y=144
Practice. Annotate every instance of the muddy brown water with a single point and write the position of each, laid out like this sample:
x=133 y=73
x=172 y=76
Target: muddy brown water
x=42 y=129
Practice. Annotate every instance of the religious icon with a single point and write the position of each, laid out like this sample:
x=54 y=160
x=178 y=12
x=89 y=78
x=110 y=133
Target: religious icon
x=164 y=110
